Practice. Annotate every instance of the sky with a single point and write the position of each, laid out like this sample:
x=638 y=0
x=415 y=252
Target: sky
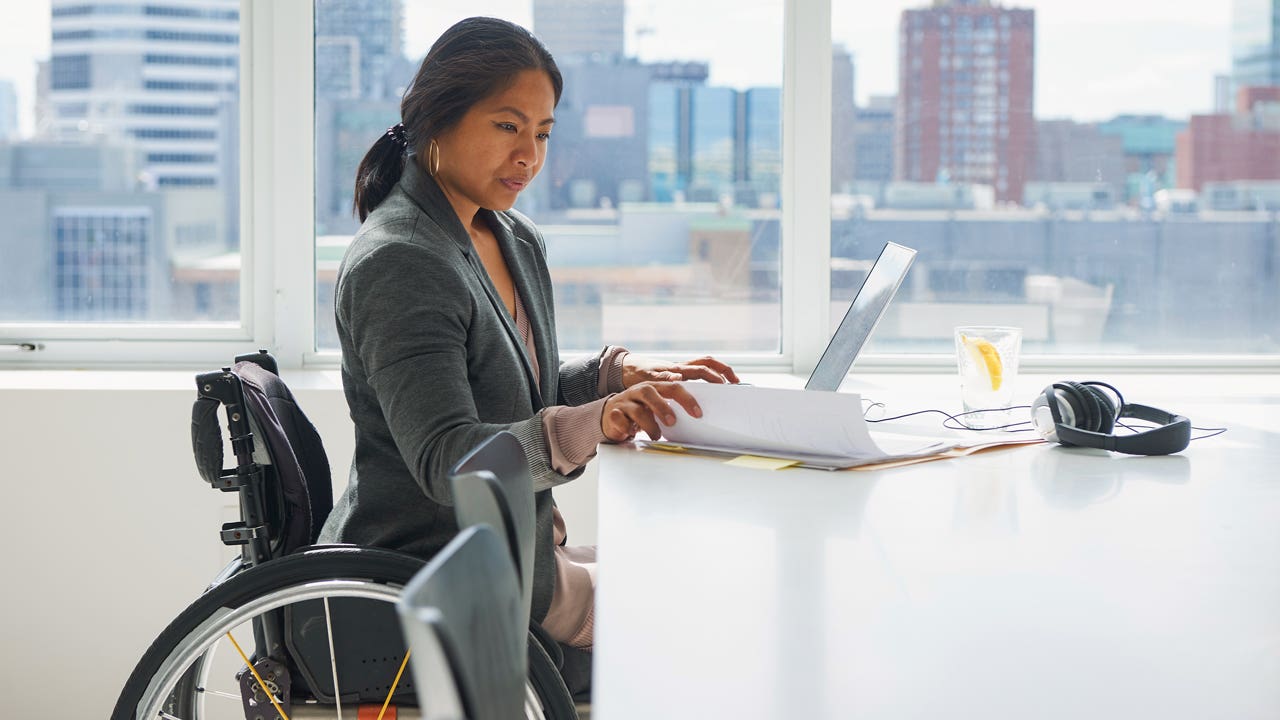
x=1094 y=58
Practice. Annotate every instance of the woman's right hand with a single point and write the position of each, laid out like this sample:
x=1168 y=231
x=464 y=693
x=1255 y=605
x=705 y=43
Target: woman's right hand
x=642 y=406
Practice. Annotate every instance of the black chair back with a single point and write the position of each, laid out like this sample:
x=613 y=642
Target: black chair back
x=462 y=617
x=492 y=485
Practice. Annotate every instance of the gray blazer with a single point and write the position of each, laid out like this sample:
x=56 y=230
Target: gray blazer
x=432 y=364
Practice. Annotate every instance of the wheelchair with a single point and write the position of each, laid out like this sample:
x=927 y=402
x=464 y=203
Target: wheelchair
x=290 y=629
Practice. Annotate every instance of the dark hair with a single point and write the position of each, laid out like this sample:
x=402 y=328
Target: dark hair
x=471 y=61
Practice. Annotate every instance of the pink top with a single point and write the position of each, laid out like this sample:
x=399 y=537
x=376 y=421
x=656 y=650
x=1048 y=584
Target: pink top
x=572 y=436
x=573 y=432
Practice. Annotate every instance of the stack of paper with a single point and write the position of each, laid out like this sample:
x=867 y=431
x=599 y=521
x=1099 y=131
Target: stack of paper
x=814 y=428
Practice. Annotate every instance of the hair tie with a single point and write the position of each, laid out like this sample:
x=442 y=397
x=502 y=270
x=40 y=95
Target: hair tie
x=396 y=132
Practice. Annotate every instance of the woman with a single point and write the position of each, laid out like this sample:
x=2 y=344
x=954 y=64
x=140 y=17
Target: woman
x=445 y=318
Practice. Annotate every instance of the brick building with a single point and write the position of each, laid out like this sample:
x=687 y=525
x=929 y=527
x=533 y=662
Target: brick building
x=1244 y=145
x=965 y=100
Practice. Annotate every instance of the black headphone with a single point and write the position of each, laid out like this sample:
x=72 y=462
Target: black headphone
x=1078 y=413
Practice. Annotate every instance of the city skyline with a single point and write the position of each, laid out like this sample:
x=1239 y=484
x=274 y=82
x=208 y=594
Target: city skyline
x=664 y=194
x=1165 y=69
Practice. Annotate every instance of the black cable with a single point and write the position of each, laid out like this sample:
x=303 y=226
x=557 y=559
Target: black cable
x=959 y=425
x=1119 y=408
x=1212 y=431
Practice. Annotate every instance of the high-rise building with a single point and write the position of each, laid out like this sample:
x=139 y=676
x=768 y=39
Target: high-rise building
x=360 y=49
x=965 y=94
x=1148 y=143
x=1255 y=43
x=873 y=140
x=670 y=141
x=346 y=128
x=8 y=111
x=713 y=130
x=758 y=166
x=1244 y=145
x=86 y=245
x=1070 y=151
x=842 y=118
x=707 y=143
x=361 y=73
x=63 y=167
x=575 y=30
x=597 y=154
x=102 y=268
x=1221 y=93
x=160 y=76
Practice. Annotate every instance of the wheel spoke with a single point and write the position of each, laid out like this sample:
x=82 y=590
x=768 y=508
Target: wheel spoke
x=532 y=706
x=394 y=684
x=177 y=677
x=219 y=693
x=266 y=689
x=333 y=657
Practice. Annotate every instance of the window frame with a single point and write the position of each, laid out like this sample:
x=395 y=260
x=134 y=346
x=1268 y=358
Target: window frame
x=806 y=207
x=278 y=274
x=277 y=293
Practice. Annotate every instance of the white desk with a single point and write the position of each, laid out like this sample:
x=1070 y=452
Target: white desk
x=1039 y=582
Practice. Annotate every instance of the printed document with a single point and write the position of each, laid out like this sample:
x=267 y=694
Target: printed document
x=817 y=428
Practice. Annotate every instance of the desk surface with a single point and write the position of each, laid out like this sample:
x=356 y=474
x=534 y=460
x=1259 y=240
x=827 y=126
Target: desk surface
x=1037 y=582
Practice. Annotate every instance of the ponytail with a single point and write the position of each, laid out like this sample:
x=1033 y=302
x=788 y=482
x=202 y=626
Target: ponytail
x=379 y=171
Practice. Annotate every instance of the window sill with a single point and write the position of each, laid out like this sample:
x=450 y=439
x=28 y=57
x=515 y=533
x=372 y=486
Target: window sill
x=1195 y=386
x=145 y=380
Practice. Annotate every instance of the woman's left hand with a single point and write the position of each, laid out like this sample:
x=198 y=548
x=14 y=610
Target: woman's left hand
x=637 y=369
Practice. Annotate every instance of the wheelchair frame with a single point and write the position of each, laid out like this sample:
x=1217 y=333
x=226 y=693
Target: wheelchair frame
x=273 y=579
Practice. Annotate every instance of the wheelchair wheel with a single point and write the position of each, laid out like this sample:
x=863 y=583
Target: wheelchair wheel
x=195 y=669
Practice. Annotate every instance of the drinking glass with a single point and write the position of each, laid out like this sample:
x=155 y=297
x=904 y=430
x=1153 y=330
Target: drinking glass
x=987 y=356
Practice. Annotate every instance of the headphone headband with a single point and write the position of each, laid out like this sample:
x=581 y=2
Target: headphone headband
x=1073 y=414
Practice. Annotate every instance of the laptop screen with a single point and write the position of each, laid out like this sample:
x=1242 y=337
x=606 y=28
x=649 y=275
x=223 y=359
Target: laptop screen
x=860 y=319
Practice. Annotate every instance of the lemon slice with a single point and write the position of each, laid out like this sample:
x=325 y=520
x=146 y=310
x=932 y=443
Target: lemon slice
x=985 y=355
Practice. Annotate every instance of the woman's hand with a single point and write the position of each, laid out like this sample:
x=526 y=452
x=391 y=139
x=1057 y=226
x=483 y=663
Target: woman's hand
x=638 y=369
x=641 y=407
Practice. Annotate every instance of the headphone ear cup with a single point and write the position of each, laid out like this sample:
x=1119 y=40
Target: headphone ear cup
x=1089 y=413
x=1107 y=410
x=1042 y=416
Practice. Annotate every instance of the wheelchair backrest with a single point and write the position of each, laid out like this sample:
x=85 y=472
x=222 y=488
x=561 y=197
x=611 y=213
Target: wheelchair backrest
x=283 y=477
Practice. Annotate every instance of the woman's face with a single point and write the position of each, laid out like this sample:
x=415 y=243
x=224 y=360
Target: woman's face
x=498 y=146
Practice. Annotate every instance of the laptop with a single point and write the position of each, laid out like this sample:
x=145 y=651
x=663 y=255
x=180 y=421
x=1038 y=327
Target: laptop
x=860 y=319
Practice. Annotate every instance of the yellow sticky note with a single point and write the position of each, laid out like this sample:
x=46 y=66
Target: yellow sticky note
x=761 y=463
x=666 y=447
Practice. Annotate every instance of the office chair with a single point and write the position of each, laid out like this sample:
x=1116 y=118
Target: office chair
x=492 y=485
x=462 y=618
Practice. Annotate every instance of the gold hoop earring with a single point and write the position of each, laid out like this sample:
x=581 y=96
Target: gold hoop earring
x=433 y=158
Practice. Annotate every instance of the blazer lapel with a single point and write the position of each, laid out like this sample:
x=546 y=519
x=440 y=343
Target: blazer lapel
x=522 y=263
x=499 y=307
x=426 y=193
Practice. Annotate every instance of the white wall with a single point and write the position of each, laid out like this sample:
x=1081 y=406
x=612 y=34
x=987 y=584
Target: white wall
x=111 y=532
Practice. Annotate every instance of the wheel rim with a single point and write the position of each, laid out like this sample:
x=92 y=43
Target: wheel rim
x=200 y=643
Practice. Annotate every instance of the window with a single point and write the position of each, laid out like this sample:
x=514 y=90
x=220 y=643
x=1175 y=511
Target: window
x=70 y=72
x=192 y=194
x=660 y=196
x=132 y=138
x=1047 y=212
